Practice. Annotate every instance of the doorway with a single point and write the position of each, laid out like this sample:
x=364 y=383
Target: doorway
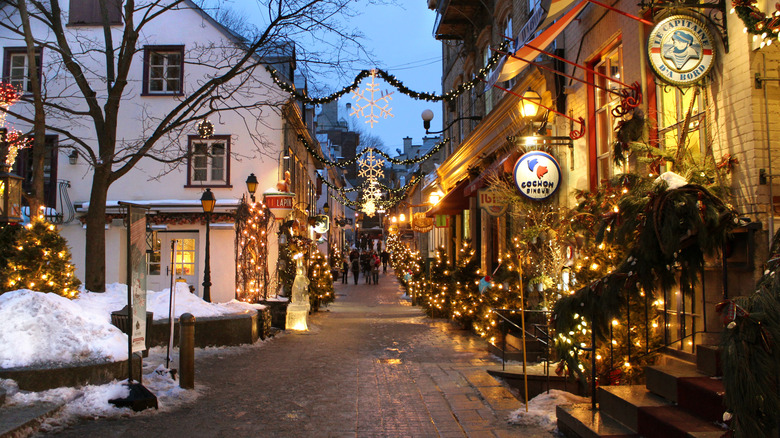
x=185 y=265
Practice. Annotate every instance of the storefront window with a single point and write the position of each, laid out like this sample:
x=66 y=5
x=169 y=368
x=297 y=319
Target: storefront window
x=611 y=66
x=673 y=106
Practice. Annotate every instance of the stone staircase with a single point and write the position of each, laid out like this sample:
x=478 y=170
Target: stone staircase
x=680 y=399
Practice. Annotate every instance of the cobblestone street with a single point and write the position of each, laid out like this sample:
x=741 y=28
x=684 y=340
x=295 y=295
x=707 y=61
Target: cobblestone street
x=371 y=365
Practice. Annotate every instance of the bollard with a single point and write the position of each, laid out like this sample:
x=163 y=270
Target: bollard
x=187 y=351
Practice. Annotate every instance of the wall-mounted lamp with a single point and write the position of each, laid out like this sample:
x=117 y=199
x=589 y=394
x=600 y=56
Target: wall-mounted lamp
x=73 y=157
x=326 y=208
x=251 y=185
x=529 y=106
x=435 y=197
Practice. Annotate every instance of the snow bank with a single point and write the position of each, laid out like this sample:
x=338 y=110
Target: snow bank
x=44 y=329
x=541 y=409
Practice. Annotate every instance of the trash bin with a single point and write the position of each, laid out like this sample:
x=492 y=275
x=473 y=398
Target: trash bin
x=119 y=319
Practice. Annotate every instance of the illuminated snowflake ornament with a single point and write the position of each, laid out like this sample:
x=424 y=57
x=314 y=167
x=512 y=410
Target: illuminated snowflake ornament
x=371 y=166
x=376 y=106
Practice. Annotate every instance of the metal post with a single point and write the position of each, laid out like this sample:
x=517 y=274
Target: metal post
x=207 y=274
x=187 y=351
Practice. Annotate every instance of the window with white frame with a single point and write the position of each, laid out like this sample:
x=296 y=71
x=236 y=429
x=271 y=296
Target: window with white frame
x=508 y=36
x=16 y=68
x=674 y=104
x=488 y=90
x=610 y=67
x=163 y=70
x=209 y=164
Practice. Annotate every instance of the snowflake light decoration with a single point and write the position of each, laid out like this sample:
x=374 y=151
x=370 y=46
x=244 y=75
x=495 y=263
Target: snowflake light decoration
x=377 y=106
x=371 y=166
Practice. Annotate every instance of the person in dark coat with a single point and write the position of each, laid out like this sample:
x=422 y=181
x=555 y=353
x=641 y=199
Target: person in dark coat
x=356 y=269
x=385 y=257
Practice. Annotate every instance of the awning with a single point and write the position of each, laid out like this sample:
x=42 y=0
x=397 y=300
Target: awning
x=453 y=203
x=510 y=66
x=504 y=165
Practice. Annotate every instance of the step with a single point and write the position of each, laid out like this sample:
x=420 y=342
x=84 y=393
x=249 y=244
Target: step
x=671 y=422
x=702 y=396
x=18 y=420
x=708 y=359
x=623 y=402
x=580 y=421
x=662 y=379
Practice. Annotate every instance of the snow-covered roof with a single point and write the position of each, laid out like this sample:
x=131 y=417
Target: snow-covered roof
x=166 y=205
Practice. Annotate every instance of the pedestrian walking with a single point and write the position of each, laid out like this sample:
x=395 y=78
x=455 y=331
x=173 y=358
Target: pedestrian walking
x=365 y=264
x=375 y=267
x=385 y=257
x=344 y=270
x=356 y=269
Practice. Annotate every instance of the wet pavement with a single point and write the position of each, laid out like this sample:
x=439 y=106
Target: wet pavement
x=371 y=365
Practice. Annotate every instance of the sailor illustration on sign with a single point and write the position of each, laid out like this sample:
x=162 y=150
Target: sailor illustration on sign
x=682 y=48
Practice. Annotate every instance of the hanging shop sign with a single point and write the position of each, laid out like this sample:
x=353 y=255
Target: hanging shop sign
x=280 y=203
x=680 y=50
x=421 y=223
x=492 y=202
x=537 y=175
x=320 y=223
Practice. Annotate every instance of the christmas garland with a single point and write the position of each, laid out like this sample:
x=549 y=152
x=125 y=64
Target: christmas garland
x=668 y=232
x=756 y=22
x=344 y=163
x=750 y=357
x=303 y=96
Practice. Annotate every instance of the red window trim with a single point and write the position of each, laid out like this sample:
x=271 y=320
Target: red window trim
x=190 y=183
x=170 y=48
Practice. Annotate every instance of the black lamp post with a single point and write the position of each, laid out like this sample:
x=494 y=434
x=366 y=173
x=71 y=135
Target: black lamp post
x=10 y=186
x=427 y=116
x=251 y=185
x=207 y=201
x=326 y=208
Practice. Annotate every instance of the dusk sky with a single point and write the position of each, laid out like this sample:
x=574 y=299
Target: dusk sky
x=400 y=37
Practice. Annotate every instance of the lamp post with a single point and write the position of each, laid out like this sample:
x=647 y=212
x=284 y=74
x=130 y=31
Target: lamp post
x=251 y=185
x=427 y=116
x=207 y=201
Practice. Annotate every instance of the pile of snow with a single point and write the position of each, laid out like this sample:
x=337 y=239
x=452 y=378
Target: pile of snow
x=541 y=409
x=44 y=329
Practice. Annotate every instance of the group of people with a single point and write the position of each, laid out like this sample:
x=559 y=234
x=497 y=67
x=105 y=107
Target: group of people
x=367 y=262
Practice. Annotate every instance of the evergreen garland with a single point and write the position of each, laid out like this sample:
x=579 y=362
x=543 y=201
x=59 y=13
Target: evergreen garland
x=667 y=232
x=393 y=81
x=750 y=355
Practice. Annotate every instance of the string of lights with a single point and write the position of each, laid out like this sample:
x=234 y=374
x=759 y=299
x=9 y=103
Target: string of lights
x=304 y=97
x=344 y=163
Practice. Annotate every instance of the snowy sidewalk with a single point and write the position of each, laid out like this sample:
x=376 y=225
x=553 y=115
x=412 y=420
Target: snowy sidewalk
x=370 y=366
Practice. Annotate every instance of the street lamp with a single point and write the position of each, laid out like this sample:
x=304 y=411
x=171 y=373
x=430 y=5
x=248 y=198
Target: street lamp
x=207 y=201
x=427 y=116
x=10 y=186
x=251 y=185
x=326 y=208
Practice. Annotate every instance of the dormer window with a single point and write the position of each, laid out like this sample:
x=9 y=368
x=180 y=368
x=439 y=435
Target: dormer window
x=88 y=13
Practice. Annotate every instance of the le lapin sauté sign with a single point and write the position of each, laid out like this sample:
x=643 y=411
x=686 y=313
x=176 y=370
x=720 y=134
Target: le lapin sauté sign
x=680 y=50
x=537 y=175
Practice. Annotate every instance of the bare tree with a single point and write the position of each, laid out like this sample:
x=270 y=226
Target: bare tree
x=89 y=97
